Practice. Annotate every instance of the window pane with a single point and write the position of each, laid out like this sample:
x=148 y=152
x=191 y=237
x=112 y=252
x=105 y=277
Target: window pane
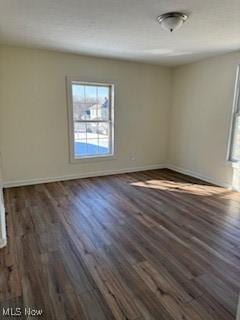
x=78 y=92
x=236 y=140
x=91 y=94
x=80 y=130
x=92 y=148
x=90 y=102
x=103 y=146
x=91 y=139
x=79 y=105
x=102 y=93
x=103 y=130
x=92 y=131
x=80 y=148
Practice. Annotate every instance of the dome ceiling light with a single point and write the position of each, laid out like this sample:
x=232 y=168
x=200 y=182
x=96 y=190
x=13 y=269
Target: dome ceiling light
x=171 y=21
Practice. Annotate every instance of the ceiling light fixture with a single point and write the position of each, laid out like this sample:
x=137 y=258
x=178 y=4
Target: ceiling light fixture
x=172 y=20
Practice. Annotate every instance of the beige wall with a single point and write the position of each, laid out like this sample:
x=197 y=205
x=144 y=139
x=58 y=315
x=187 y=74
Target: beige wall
x=178 y=117
x=200 y=117
x=33 y=113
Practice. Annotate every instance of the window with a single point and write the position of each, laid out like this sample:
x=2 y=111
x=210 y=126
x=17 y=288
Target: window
x=234 y=140
x=91 y=119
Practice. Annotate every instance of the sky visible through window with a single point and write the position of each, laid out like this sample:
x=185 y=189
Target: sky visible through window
x=90 y=92
x=91 y=115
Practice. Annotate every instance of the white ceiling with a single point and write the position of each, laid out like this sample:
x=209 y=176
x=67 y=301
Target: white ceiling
x=125 y=29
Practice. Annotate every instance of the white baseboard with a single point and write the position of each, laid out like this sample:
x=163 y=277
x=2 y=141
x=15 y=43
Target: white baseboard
x=199 y=176
x=17 y=183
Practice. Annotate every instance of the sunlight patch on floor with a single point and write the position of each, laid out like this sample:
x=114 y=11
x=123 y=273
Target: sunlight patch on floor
x=180 y=187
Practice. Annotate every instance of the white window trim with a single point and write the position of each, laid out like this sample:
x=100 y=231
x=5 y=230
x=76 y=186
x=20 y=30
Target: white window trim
x=235 y=114
x=109 y=156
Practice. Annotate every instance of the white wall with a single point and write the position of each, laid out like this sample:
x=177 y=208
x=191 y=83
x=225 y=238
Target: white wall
x=200 y=117
x=33 y=113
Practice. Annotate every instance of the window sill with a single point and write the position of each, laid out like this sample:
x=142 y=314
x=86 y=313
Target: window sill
x=93 y=159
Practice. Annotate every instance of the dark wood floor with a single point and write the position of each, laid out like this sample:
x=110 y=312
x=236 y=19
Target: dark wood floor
x=149 y=245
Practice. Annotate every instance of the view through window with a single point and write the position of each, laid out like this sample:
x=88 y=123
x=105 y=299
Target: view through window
x=234 y=147
x=92 y=114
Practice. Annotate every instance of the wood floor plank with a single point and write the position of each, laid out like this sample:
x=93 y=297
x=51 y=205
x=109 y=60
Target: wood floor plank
x=153 y=245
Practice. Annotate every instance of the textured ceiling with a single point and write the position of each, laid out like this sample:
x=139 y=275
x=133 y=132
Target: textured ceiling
x=125 y=29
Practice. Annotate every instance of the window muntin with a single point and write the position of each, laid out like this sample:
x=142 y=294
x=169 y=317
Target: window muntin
x=91 y=120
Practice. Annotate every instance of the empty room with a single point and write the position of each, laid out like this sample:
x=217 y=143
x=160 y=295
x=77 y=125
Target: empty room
x=120 y=159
